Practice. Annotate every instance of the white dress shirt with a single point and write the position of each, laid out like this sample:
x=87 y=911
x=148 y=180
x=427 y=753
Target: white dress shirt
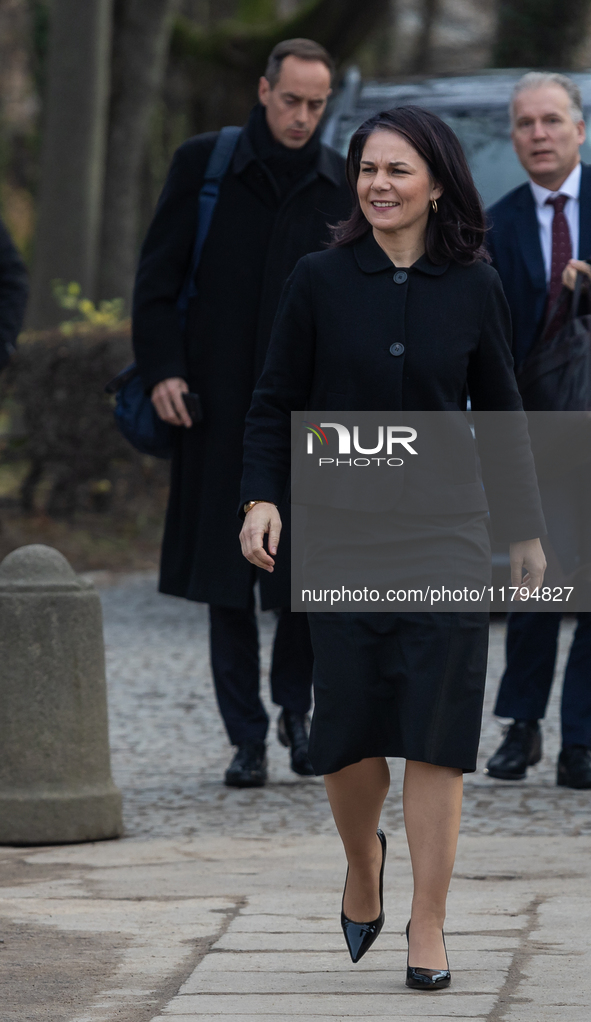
x=545 y=215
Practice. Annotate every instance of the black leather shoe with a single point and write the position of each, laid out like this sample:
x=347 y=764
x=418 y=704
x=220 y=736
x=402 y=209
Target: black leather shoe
x=574 y=767
x=292 y=731
x=360 y=936
x=521 y=748
x=426 y=979
x=248 y=769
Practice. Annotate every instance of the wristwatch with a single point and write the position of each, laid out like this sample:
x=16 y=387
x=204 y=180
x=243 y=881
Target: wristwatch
x=251 y=503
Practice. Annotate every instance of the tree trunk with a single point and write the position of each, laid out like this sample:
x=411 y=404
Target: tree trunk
x=540 y=33
x=72 y=157
x=420 y=61
x=140 y=44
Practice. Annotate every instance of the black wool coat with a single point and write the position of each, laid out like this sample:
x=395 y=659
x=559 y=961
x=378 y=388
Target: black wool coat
x=255 y=240
x=355 y=333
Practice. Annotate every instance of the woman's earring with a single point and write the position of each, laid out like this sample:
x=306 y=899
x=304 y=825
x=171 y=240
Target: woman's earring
x=434 y=205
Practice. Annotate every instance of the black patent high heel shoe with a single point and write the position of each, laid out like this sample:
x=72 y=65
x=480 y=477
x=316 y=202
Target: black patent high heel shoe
x=360 y=936
x=427 y=979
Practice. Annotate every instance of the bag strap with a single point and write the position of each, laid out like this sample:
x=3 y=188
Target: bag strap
x=217 y=165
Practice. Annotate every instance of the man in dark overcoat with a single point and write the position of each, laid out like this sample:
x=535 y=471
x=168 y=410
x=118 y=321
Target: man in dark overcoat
x=14 y=290
x=537 y=232
x=282 y=190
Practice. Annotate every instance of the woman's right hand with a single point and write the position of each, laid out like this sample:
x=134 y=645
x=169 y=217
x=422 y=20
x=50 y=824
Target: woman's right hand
x=262 y=518
x=527 y=556
x=168 y=401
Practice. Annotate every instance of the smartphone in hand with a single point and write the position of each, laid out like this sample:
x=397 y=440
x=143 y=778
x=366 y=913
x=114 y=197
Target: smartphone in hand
x=194 y=407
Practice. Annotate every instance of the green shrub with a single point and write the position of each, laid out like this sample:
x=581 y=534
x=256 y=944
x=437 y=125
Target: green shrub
x=54 y=387
x=87 y=316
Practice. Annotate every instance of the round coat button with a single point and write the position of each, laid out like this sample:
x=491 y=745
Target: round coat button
x=400 y=277
x=397 y=349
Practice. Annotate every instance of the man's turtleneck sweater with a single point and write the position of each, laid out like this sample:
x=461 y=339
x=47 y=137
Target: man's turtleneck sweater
x=285 y=166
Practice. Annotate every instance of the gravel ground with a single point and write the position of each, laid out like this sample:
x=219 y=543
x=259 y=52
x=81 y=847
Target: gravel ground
x=169 y=747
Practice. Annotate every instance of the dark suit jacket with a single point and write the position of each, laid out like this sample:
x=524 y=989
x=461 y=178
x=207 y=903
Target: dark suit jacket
x=514 y=244
x=332 y=349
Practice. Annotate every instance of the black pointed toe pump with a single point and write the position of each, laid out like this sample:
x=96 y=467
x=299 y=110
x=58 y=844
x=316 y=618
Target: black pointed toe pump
x=426 y=979
x=360 y=936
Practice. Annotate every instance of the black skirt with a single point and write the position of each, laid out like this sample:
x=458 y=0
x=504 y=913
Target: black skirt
x=408 y=685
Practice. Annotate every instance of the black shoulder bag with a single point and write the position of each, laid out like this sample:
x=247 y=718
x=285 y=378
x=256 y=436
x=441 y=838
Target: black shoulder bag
x=555 y=377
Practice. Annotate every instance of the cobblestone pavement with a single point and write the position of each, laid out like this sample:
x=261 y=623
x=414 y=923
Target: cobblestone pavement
x=170 y=749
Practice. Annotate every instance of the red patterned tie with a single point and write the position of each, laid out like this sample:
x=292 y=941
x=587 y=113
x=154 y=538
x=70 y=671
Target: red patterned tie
x=561 y=247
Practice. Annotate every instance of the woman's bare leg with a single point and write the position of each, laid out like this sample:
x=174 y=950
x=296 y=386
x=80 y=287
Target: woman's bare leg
x=432 y=799
x=356 y=795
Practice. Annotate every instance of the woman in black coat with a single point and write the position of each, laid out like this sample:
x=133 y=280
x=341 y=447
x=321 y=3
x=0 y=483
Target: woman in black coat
x=402 y=314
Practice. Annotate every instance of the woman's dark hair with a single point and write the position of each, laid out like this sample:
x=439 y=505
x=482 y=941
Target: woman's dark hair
x=457 y=230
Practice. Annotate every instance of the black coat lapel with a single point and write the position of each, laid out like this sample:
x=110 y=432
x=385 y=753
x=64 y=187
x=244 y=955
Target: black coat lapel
x=585 y=213
x=526 y=226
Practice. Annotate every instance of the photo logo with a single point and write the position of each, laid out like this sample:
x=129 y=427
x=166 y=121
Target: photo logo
x=314 y=430
x=387 y=436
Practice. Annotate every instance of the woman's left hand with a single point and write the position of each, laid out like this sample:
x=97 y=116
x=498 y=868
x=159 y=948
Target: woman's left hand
x=569 y=274
x=529 y=555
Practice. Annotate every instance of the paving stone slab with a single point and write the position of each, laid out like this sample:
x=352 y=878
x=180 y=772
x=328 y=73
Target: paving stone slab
x=333 y=942
x=323 y=961
x=325 y=1018
x=403 y=1001
x=383 y=981
x=271 y=924
x=545 y=1013
x=476 y=922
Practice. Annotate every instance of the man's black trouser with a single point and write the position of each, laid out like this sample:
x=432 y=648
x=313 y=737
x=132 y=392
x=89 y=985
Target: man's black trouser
x=532 y=643
x=532 y=639
x=236 y=671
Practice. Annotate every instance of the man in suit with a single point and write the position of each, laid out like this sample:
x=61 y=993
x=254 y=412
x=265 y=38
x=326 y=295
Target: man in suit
x=282 y=189
x=539 y=235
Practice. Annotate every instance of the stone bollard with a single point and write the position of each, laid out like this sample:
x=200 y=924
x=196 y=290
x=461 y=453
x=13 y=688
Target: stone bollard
x=55 y=774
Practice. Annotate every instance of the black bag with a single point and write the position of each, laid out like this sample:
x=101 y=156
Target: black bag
x=556 y=377
x=556 y=374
